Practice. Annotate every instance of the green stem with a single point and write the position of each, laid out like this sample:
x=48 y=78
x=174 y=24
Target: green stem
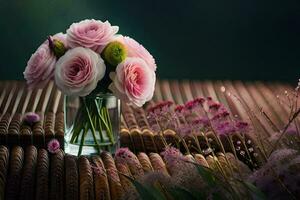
x=108 y=118
x=108 y=127
x=197 y=143
x=104 y=121
x=99 y=119
x=92 y=125
x=77 y=127
x=100 y=130
x=85 y=130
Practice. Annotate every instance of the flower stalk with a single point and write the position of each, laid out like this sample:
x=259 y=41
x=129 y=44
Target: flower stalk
x=93 y=126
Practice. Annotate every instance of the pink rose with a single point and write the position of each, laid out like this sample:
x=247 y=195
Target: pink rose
x=137 y=50
x=93 y=34
x=134 y=81
x=78 y=71
x=40 y=67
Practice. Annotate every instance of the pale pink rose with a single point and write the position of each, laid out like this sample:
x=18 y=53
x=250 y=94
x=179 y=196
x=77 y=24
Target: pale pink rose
x=136 y=50
x=93 y=34
x=134 y=81
x=40 y=66
x=78 y=71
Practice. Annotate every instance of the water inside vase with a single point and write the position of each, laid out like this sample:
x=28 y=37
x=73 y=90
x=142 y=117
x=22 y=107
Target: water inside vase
x=91 y=124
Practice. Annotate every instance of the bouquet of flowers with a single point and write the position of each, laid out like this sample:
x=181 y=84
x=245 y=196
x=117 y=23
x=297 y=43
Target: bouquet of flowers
x=91 y=58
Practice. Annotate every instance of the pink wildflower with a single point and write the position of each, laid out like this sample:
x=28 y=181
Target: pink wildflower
x=225 y=128
x=190 y=105
x=242 y=127
x=31 y=118
x=172 y=155
x=162 y=106
x=291 y=130
x=184 y=130
x=124 y=155
x=53 y=146
x=179 y=109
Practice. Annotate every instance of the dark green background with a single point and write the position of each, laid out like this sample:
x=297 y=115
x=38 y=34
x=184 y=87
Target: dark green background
x=199 y=39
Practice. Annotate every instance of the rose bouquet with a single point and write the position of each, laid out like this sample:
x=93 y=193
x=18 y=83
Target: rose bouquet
x=96 y=66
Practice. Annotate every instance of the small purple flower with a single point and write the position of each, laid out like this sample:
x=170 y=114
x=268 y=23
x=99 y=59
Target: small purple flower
x=179 y=111
x=196 y=124
x=291 y=130
x=199 y=100
x=242 y=127
x=171 y=155
x=155 y=127
x=123 y=155
x=161 y=107
x=53 y=146
x=205 y=122
x=209 y=98
x=190 y=105
x=184 y=130
x=214 y=106
x=223 y=112
x=202 y=122
x=179 y=108
x=225 y=128
x=193 y=104
x=31 y=118
x=216 y=117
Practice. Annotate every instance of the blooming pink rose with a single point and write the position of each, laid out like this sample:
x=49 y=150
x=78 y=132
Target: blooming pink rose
x=40 y=67
x=93 y=34
x=78 y=71
x=137 y=50
x=134 y=81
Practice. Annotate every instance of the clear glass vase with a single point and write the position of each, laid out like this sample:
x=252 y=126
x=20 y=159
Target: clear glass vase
x=91 y=124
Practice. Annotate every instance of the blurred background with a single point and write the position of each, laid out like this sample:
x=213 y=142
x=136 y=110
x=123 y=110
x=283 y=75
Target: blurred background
x=191 y=39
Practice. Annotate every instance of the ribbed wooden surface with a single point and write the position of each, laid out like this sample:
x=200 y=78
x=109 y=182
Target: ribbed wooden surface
x=245 y=101
x=31 y=173
x=15 y=100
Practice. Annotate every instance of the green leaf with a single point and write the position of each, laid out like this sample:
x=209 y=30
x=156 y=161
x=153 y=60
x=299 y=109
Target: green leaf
x=199 y=194
x=217 y=196
x=258 y=194
x=179 y=193
x=146 y=192
x=207 y=175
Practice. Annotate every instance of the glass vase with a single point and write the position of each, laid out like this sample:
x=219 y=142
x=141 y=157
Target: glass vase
x=91 y=124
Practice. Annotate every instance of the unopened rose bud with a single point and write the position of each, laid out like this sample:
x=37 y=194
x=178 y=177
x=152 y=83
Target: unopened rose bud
x=57 y=47
x=114 y=53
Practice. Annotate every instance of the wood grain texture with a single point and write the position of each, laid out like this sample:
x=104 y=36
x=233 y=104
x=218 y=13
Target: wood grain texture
x=42 y=175
x=36 y=174
x=86 y=186
x=4 y=163
x=27 y=189
x=245 y=100
x=14 y=173
x=71 y=178
x=57 y=176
